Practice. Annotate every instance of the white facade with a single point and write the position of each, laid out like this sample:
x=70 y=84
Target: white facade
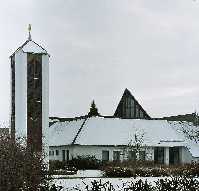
x=20 y=94
x=45 y=105
x=56 y=153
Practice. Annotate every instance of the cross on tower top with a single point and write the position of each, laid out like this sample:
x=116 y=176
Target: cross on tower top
x=29 y=30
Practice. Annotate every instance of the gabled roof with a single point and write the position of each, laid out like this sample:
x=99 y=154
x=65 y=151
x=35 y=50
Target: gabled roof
x=101 y=131
x=31 y=46
x=63 y=133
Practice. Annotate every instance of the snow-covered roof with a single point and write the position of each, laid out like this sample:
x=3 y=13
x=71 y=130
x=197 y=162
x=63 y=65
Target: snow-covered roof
x=31 y=47
x=63 y=133
x=115 y=131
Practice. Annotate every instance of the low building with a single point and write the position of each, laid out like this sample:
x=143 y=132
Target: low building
x=110 y=139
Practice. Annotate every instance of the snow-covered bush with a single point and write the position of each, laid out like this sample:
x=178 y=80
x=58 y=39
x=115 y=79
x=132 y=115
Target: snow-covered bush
x=168 y=184
x=99 y=185
x=177 y=184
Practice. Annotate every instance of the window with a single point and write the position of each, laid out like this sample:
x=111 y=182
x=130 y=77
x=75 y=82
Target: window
x=49 y=153
x=57 y=152
x=116 y=155
x=52 y=152
x=105 y=155
x=132 y=155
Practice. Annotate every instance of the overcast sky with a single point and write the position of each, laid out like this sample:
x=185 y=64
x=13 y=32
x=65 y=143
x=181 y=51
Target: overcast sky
x=100 y=47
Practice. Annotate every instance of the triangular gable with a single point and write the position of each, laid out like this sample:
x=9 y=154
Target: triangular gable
x=129 y=108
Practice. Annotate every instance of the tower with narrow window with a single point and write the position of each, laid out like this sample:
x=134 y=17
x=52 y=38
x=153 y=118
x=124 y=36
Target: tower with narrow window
x=30 y=95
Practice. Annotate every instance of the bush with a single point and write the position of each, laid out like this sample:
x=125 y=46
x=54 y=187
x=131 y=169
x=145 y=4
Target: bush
x=61 y=168
x=177 y=184
x=19 y=168
x=134 y=172
x=119 y=172
x=130 y=186
x=148 y=169
x=85 y=162
x=57 y=165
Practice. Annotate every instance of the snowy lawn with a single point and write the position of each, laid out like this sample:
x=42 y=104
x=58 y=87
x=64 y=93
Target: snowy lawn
x=86 y=177
x=82 y=174
x=75 y=183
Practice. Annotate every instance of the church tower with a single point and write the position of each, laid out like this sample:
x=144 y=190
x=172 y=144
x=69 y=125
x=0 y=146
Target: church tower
x=30 y=95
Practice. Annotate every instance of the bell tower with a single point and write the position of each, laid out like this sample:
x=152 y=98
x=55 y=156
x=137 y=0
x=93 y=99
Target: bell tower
x=30 y=95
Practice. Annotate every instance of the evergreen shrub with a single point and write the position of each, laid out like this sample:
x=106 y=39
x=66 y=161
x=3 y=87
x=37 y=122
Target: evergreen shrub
x=85 y=162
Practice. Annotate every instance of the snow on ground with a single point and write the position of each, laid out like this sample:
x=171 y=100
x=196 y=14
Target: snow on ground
x=86 y=177
x=83 y=174
x=71 y=184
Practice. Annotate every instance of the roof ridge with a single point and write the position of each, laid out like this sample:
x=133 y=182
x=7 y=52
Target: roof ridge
x=25 y=43
x=80 y=129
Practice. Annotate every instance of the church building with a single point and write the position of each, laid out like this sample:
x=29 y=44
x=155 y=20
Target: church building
x=105 y=137
x=111 y=138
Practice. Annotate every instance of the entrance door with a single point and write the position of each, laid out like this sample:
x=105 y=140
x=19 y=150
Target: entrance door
x=159 y=155
x=105 y=155
x=67 y=155
x=174 y=155
x=63 y=155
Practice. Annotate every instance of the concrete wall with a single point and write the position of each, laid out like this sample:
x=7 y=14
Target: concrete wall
x=21 y=94
x=96 y=151
x=45 y=105
x=185 y=155
x=77 y=150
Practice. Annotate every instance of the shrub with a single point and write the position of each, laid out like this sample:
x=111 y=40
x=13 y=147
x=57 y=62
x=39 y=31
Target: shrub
x=130 y=186
x=61 y=168
x=56 y=165
x=119 y=172
x=142 y=169
x=177 y=184
x=85 y=162
x=19 y=168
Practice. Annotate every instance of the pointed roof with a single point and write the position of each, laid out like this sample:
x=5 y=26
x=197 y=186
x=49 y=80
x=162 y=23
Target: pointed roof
x=127 y=93
x=31 y=46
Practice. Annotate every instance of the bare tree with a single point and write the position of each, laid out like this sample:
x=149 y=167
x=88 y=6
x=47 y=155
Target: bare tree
x=135 y=145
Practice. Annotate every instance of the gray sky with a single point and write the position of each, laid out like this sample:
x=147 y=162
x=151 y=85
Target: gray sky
x=100 y=47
